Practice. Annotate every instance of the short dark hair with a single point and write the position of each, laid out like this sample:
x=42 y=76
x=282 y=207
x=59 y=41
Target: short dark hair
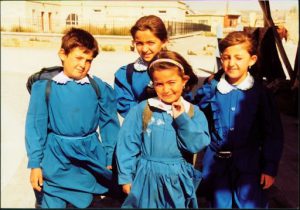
x=239 y=37
x=152 y=23
x=188 y=70
x=76 y=37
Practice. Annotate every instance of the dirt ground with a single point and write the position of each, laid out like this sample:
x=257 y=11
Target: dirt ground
x=18 y=63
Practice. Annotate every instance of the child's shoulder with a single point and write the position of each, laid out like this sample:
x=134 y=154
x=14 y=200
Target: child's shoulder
x=121 y=71
x=99 y=81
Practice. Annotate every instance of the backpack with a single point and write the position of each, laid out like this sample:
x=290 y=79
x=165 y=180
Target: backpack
x=48 y=74
x=147 y=93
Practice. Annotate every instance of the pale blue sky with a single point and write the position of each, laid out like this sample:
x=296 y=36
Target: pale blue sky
x=220 y=5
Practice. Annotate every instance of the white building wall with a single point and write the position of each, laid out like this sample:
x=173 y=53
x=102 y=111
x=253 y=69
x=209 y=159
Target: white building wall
x=50 y=16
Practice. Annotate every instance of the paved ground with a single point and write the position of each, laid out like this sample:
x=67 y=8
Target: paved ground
x=18 y=63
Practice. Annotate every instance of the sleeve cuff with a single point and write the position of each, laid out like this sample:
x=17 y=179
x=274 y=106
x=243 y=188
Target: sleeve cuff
x=34 y=164
x=271 y=169
x=182 y=119
x=124 y=179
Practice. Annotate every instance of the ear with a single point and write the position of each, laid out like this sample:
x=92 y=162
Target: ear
x=164 y=45
x=253 y=60
x=62 y=55
x=185 y=79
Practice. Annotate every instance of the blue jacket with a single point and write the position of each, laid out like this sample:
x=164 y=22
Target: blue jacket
x=246 y=123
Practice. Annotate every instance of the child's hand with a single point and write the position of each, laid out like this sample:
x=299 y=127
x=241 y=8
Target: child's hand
x=109 y=167
x=36 y=179
x=266 y=181
x=126 y=188
x=177 y=108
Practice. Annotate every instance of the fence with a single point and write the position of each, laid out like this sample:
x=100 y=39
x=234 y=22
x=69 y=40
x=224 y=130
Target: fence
x=112 y=27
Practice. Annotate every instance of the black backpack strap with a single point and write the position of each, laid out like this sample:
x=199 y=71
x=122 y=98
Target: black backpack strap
x=129 y=73
x=95 y=86
x=48 y=90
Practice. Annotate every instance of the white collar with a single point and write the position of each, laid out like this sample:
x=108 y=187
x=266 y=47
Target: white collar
x=140 y=65
x=61 y=78
x=224 y=87
x=157 y=103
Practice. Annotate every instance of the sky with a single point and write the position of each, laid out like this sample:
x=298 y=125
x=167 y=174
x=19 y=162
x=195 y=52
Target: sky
x=220 y=5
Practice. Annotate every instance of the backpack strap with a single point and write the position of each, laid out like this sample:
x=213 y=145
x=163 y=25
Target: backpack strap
x=129 y=73
x=147 y=114
x=95 y=86
x=191 y=111
x=48 y=90
x=92 y=81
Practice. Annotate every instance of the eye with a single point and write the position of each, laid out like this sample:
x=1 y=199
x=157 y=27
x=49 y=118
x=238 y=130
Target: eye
x=150 y=43
x=225 y=57
x=157 y=84
x=138 y=43
x=172 y=82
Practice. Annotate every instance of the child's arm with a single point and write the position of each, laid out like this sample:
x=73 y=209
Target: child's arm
x=36 y=178
x=124 y=95
x=272 y=144
x=36 y=132
x=193 y=134
x=108 y=121
x=129 y=145
x=266 y=181
x=126 y=188
x=36 y=125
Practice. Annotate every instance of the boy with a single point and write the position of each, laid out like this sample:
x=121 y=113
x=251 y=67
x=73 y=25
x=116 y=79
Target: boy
x=68 y=162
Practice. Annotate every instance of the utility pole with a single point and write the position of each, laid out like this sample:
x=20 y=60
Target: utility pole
x=227 y=7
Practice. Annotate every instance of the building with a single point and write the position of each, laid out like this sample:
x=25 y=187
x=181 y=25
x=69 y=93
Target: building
x=55 y=16
x=223 y=22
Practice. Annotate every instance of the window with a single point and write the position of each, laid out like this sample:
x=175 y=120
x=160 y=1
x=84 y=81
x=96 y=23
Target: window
x=72 y=19
x=162 y=11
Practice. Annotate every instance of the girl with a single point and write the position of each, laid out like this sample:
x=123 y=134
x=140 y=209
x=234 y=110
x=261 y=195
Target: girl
x=68 y=162
x=242 y=159
x=149 y=37
x=150 y=158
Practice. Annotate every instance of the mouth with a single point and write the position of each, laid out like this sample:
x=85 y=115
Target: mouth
x=80 y=70
x=147 y=55
x=167 y=96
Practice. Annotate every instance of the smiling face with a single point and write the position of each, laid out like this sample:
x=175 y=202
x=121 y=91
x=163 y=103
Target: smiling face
x=168 y=84
x=147 y=44
x=235 y=61
x=77 y=63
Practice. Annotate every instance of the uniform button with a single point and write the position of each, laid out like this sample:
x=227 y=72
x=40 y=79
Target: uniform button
x=233 y=109
x=231 y=129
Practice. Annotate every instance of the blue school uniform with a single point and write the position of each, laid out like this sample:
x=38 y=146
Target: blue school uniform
x=62 y=139
x=152 y=159
x=128 y=95
x=246 y=123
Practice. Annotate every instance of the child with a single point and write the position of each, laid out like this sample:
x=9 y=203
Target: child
x=242 y=159
x=155 y=137
x=131 y=81
x=68 y=161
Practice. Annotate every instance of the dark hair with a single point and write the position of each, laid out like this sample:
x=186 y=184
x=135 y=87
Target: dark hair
x=239 y=37
x=76 y=37
x=188 y=70
x=243 y=37
x=152 y=23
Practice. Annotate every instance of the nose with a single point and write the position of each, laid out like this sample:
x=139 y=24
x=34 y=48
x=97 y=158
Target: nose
x=231 y=62
x=82 y=63
x=166 y=88
x=145 y=48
